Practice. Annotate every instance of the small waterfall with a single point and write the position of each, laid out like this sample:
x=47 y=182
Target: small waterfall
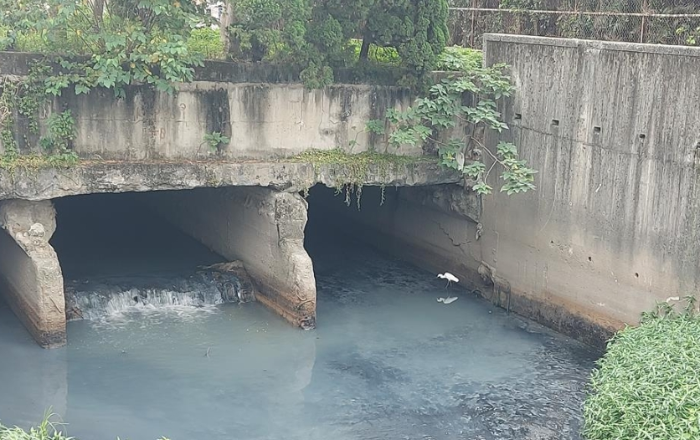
x=97 y=299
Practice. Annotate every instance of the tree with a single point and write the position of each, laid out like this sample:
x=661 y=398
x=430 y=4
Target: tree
x=443 y=120
x=416 y=28
x=316 y=34
x=267 y=29
x=125 y=41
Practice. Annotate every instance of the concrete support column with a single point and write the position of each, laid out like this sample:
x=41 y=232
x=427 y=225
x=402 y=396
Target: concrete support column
x=261 y=227
x=30 y=275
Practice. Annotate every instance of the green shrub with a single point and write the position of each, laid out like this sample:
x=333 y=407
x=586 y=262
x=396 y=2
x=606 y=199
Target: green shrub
x=34 y=42
x=457 y=58
x=206 y=42
x=647 y=386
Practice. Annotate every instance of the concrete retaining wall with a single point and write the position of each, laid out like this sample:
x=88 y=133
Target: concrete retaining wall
x=258 y=108
x=262 y=228
x=613 y=130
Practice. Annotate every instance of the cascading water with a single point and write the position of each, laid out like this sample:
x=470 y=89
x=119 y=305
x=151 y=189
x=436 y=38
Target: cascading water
x=113 y=297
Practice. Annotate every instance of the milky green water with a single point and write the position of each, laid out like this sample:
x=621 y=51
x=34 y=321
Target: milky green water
x=387 y=361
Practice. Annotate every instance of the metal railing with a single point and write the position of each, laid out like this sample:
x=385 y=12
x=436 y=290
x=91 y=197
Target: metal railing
x=645 y=21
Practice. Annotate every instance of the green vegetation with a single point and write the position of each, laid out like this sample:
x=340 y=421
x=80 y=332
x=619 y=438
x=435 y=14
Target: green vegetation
x=321 y=36
x=89 y=44
x=206 y=42
x=441 y=120
x=647 y=386
x=47 y=430
x=350 y=171
x=457 y=59
x=23 y=99
x=683 y=30
x=216 y=140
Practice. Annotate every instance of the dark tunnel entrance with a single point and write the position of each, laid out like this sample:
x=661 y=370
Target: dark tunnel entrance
x=391 y=242
x=429 y=227
x=119 y=234
x=338 y=223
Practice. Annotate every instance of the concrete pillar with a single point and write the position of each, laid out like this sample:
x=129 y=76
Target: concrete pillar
x=261 y=227
x=30 y=275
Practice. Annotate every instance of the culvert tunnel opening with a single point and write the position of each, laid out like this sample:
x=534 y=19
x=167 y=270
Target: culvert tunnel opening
x=104 y=235
x=385 y=244
x=119 y=254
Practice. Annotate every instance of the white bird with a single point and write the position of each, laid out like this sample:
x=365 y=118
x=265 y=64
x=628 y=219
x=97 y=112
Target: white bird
x=449 y=277
x=448 y=300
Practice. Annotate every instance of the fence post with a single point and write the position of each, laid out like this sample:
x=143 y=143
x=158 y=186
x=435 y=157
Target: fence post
x=644 y=21
x=471 y=35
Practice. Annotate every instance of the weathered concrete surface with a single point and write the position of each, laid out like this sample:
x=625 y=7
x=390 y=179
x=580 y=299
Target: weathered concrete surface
x=612 y=129
x=30 y=275
x=262 y=113
x=114 y=177
x=261 y=227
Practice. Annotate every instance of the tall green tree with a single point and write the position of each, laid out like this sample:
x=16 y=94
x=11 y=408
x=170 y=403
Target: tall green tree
x=316 y=33
x=416 y=28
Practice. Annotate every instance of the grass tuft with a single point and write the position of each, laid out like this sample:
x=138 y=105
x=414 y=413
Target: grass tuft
x=47 y=430
x=25 y=162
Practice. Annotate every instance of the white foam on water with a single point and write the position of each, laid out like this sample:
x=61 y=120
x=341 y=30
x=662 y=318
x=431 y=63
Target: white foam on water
x=115 y=305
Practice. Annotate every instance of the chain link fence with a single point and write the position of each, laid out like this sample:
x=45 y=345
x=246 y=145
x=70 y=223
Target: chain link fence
x=642 y=21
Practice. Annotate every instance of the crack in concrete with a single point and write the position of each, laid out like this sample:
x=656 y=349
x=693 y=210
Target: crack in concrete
x=454 y=242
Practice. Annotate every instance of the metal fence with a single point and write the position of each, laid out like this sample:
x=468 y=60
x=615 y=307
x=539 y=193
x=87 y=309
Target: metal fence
x=645 y=21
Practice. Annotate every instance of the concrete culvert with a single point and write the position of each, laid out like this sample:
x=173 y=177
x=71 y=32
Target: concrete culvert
x=190 y=247
x=246 y=242
x=424 y=226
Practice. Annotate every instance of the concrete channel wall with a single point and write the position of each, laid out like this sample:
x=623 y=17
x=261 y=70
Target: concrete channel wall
x=613 y=130
x=612 y=228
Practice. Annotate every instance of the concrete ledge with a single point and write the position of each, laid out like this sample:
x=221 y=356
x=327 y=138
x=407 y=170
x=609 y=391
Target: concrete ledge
x=116 y=177
x=660 y=49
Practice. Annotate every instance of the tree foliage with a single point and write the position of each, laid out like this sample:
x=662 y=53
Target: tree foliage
x=682 y=30
x=122 y=41
x=453 y=117
x=319 y=34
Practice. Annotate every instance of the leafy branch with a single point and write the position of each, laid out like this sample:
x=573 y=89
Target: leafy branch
x=453 y=118
x=215 y=140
